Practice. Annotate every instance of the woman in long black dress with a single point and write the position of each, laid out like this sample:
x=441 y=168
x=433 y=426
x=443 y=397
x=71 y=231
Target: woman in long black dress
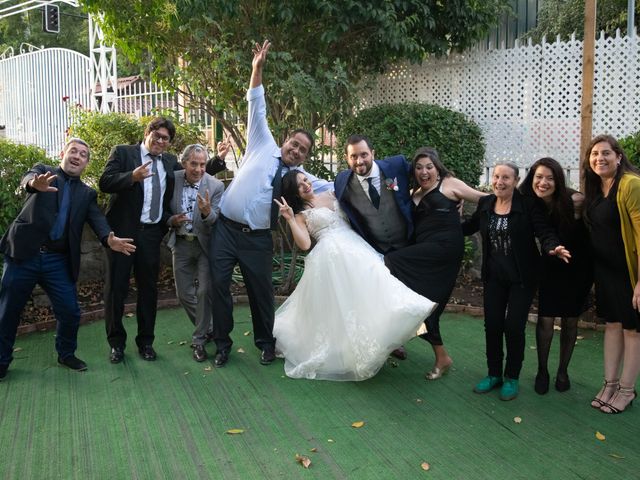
x=612 y=209
x=563 y=286
x=430 y=266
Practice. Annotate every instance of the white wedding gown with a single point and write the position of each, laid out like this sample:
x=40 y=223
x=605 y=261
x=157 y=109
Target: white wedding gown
x=348 y=312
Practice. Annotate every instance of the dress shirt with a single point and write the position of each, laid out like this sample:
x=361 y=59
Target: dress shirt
x=374 y=174
x=189 y=196
x=248 y=198
x=145 y=156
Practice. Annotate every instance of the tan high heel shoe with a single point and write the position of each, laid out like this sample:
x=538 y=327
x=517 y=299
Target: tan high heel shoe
x=627 y=394
x=435 y=373
x=607 y=385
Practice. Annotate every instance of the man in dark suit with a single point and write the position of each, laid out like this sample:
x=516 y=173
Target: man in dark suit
x=42 y=246
x=140 y=180
x=375 y=196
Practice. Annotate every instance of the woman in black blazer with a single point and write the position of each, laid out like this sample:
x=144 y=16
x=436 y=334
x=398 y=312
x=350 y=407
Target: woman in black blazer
x=508 y=223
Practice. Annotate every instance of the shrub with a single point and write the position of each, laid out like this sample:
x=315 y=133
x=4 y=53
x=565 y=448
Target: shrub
x=404 y=127
x=102 y=131
x=15 y=161
x=631 y=146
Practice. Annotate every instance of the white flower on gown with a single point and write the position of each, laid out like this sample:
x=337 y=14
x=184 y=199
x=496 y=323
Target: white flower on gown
x=348 y=312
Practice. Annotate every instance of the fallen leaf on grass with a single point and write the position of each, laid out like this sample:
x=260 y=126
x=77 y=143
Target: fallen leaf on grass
x=183 y=342
x=425 y=466
x=17 y=349
x=616 y=456
x=517 y=420
x=532 y=347
x=128 y=315
x=170 y=342
x=186 y=373
x=600 y=436
x=393 y=364
x=240 y=350
x=208 y=369
x=303 y=460
x=234 y=431
x=359 y=424
x=247 y=333
x=418 y=400
x=330 y=440
x=579 y=337
x=314 y=450
x=557 y=327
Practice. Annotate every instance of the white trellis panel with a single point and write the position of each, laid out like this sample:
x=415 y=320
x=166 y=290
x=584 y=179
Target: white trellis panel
x=36 y=90
x=527 y=99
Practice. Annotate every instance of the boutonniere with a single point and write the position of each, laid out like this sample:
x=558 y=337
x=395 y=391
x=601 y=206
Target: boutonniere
x=392 y=184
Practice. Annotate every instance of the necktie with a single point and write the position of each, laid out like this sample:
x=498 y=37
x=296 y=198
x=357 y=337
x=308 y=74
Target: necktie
x=373 y=193
x=63 y=212
x=277 y=192
x=154 y=213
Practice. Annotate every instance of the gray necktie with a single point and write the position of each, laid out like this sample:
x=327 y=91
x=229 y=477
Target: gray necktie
x=154 y=213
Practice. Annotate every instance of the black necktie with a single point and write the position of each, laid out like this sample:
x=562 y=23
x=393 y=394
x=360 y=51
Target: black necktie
x=154 y=213
x=277 y=192
x=63 y=212
x=373 y=193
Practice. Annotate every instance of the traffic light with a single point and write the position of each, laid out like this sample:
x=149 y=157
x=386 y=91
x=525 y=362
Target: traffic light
x=51 y=19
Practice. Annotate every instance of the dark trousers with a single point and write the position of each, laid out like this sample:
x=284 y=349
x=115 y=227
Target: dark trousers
x=433 y=326
x=506 y=306
x=145 y=264
x=253 y=251
x=51 y=272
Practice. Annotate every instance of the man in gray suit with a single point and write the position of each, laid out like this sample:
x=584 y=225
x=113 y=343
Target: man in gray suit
x=194 y=208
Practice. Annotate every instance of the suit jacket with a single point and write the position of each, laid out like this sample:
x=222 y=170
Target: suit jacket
x=393 y=168
x=127 y=197
x=201 y=227
x=31 y=228
x=527 y=220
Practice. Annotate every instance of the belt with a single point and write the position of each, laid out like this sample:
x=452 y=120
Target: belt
x=189 y=237
x=145 y=226
x=241 y=226
x=47 y=249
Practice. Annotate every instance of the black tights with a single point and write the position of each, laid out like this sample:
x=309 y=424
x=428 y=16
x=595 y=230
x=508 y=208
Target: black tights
x=544 y=336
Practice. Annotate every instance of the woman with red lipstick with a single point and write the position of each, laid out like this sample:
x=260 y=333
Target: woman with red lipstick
x=612 y=212
x=431 y=265
x=348 y=313
x=508 y=223
x=563 y=286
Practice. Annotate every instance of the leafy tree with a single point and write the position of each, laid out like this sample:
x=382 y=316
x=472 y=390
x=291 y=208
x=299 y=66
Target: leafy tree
x=564 y=17
x=322 y=52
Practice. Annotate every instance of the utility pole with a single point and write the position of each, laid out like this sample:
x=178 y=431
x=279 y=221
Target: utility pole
x=588 y=60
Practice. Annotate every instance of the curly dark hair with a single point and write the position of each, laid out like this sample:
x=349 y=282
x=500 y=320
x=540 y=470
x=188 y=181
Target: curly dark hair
x=431 y=154
x=560 y=209
x=290 y=191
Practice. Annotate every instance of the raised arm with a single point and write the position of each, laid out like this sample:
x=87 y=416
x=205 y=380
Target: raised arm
x=456 y=189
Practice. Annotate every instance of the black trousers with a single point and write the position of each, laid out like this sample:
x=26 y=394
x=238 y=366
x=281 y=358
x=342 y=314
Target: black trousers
x=506 y=307
x=145 y=264
x=253 y=251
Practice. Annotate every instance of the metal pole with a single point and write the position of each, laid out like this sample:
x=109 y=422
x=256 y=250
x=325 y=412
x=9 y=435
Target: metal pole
x=631 y=13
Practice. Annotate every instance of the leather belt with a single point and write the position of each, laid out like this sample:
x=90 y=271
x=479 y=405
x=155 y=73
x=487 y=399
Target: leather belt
x=241 y=226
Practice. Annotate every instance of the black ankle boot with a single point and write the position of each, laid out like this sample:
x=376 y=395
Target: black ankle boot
x=542 y=382
x=562 y=382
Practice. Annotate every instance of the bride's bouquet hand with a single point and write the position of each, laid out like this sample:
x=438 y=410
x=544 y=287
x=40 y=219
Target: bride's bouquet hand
x=285 y=210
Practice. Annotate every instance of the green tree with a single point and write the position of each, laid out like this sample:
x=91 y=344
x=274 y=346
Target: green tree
x=564 y=17
x=322 y=52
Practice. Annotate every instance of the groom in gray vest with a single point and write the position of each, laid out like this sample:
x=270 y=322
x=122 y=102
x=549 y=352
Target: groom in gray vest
x=374 y=194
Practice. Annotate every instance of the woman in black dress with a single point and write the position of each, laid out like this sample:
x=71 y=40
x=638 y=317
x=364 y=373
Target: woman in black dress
x=612 y=211
x=430 y=266
x=563 y=286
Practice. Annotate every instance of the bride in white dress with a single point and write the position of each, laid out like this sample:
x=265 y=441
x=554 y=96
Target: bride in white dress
x=348 y=312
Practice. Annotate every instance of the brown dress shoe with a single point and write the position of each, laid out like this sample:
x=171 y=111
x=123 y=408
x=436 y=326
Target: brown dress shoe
x=399 y=353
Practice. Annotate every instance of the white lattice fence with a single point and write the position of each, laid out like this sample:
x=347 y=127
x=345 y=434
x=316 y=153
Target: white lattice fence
x=527 y=99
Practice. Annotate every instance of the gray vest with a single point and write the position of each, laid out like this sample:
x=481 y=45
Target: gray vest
x=384 y=227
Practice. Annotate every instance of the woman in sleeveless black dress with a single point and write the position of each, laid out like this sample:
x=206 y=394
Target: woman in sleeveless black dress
x=563 y=287
x=430 y=266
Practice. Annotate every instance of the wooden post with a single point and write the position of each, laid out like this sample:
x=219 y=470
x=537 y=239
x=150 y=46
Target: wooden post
x=588 y=56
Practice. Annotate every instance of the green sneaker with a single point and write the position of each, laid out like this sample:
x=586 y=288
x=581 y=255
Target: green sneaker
x=509 y=389
x=487 y=384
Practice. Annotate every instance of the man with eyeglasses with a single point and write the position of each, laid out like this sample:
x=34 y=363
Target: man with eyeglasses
x=42 y=246
x=140 y=179
x=248 y=213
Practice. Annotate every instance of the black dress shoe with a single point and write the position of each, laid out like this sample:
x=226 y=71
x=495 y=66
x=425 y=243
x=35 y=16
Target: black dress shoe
x=73 y=362
x=209 y=337
x=199 y=353
x=3 y=370
x=542 y=383
x=116 y=355
x=268 y=356
x=222 y=357
x=562 y=382
x=147 y=353
x=399 y=353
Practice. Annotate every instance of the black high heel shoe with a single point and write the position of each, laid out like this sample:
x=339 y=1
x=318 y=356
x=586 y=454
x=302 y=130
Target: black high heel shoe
x=622 y=392
x=597 y=402
x=542 y=382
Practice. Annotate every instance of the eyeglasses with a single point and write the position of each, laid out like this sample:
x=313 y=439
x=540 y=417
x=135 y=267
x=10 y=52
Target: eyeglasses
x=160 y=138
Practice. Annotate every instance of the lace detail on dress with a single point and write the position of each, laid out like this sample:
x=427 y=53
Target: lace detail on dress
x=322 y=220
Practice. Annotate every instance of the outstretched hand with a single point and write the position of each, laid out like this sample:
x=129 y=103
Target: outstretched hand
x=122 y=245
x=142 y=172
x=285 y=210
x=260 y=54
x=561 y=252
x=42 y=183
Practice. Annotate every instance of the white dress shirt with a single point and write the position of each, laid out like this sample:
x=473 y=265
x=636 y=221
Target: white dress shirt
x=147 y=187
